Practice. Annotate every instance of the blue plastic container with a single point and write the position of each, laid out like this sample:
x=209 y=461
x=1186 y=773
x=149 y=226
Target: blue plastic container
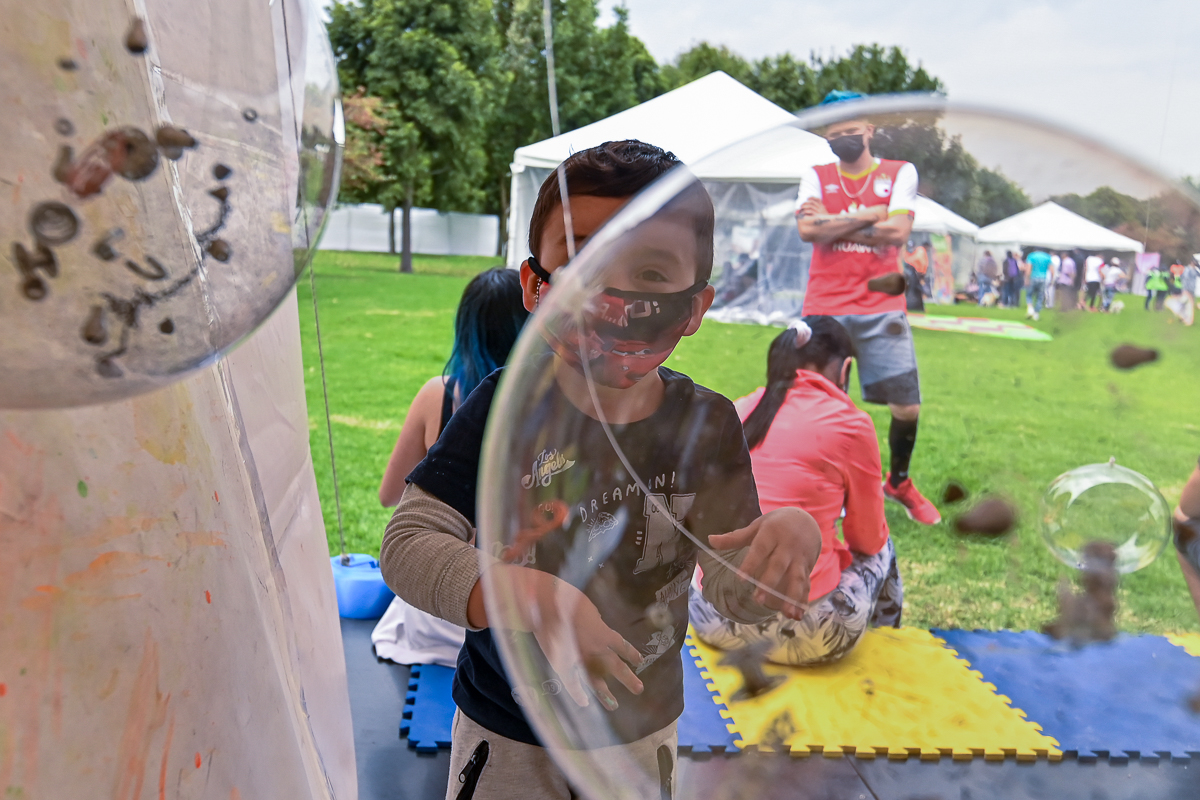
x=361 y=592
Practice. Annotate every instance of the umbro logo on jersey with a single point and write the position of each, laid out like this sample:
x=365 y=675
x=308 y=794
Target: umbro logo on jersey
x=548 y=464
x=832 y=188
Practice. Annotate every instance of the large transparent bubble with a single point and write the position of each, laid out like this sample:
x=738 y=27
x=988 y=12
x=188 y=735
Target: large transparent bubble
x=167 y=168
x=1108 y=503
x=613 y=491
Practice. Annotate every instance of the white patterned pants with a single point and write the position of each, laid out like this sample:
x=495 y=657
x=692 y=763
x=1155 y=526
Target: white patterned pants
x=869 y=594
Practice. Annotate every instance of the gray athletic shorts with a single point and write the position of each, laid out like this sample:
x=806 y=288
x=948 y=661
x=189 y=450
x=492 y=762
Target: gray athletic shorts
x=884 y=356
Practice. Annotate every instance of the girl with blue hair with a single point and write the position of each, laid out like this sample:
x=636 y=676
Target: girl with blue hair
x=490 y=317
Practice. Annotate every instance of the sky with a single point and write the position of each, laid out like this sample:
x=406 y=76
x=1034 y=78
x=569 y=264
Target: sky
x=1124 y=73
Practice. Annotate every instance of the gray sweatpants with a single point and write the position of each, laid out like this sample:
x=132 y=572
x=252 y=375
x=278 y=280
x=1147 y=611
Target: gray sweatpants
x=513 y=770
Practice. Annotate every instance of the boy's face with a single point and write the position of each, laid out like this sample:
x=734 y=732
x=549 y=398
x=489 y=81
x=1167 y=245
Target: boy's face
x=628 y=331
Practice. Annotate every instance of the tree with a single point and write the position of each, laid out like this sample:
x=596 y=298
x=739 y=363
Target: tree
x=871 y=69
x=432 y=63
x=795 y=84
x=598 y=72
x=948 y=173
x=1168 y=223
x=703 y=59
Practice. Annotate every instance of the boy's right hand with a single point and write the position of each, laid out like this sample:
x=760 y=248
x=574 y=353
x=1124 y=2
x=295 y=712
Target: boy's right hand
x=568 y=628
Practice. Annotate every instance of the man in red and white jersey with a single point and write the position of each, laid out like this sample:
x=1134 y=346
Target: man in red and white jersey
x=856 y=212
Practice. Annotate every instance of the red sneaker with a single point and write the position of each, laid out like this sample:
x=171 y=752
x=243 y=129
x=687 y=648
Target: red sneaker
x=915 y=505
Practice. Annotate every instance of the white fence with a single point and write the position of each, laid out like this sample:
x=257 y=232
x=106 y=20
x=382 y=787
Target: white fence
x=365 y=228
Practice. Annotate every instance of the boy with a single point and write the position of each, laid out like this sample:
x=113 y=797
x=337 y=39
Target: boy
x=628 y=610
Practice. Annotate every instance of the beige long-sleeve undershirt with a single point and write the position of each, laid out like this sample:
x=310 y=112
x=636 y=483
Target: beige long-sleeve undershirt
x=428 y=560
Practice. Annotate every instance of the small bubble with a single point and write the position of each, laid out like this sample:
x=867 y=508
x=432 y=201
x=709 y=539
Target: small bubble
x=53 y=223
x=221 y=193
x=219 y=249
x=221 y=172
x=35 y=288
x=250 y=115
x=67 y=64
x=167 y=326
x=63 y=127
x=136 y=40
x=659 y=615
x=94 y=330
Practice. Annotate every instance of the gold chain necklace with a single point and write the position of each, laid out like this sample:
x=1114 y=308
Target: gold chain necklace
x=857 y=195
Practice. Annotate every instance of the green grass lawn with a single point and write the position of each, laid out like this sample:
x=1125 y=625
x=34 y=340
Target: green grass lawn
x=999 y=416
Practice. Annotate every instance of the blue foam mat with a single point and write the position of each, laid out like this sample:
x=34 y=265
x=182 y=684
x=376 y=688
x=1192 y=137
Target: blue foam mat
x=701 y=727
x=429 y=711
x=1118 y=699
x=428 y=708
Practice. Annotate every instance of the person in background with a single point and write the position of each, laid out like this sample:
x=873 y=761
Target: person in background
x=489 y=319
x=490 y=316
x=916 y=270
x=1187 y=535
x=1157 y=287
x=1039 y=273
x=989 y=275
x=856 y=212
x=1091 y=277
x=811 y=448
x=1176 y=277
x=1068 y=297
x=1011 y=295
x=1190 y=275
x=1111 y=277
x=1052 y=279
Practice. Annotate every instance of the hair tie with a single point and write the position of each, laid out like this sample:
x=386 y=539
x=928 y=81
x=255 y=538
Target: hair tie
x=803 y=332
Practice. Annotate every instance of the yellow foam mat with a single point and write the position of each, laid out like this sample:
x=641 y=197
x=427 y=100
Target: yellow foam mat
x=900 y=694
x=1188 y=641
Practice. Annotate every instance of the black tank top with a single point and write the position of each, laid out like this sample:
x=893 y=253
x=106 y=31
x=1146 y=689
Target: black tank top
x=447 y=404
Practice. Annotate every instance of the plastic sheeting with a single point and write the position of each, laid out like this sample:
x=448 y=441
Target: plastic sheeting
x=168 y=625
x=365 y=228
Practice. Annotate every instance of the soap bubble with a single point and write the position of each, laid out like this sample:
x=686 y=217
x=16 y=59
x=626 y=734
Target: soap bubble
x=574 y=484
x=167 y=177
x=1107 y=503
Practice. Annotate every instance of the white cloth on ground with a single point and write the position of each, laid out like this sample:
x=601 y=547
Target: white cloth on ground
x=408 y=635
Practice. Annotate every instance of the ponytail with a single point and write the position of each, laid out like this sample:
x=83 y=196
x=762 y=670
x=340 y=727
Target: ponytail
x=812 y=342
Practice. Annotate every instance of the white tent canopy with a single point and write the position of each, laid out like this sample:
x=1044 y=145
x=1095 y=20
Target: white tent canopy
x=1050 y=225
x=932 y=217
x=695 y=121
x=691 y=121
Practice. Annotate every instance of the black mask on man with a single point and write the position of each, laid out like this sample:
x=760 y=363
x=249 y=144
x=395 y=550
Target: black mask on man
x=848 y=148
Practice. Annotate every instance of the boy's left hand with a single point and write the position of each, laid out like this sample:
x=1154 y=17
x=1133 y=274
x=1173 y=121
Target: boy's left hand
x=784 y=546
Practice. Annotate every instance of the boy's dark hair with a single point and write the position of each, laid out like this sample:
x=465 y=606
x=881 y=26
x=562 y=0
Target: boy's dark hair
x=829 y=342
x=490 y=317
x=622 y=169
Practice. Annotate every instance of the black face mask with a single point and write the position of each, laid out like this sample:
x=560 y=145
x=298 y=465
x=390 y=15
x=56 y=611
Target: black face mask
x=848 y=148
